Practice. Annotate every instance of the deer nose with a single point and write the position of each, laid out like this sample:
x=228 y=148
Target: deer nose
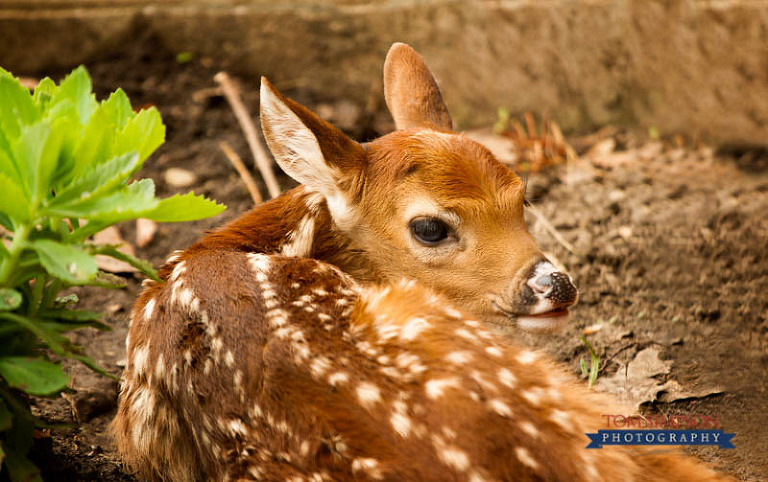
x=555 y=286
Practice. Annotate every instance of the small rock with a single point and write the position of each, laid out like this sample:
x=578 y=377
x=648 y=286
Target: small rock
x=625 y=232
x=121 y=363
x=178 y=177
x=602 y=148
x=113 y=308
x=145 y=231
x=92 y=403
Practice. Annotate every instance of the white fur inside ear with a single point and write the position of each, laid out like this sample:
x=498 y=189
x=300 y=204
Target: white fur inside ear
x=294 y=146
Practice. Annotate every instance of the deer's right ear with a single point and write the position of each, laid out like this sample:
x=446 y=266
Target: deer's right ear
x=307 y=148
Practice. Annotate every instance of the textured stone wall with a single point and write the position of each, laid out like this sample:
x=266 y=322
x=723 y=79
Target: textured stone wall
x=689 y=66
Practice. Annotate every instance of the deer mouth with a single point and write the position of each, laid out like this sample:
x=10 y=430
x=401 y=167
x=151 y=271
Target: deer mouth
x=542 y=322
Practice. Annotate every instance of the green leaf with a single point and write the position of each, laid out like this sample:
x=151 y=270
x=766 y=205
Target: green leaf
x=10 y=299
x=7 y=164
x=69 y=325
x=13 y=201
x=65 y=300
x=187 y=207
x=35 y=376
x=95 y=144
x=76 y=87
x=65 y=261
x=5 y=222
x=70 y=315
x=20 y=468
x=44 y=92
x=16 y=106
x=140 y=264
x=36 y=153
x=5 y=417
x=118 y=108
x=129 y=202
x=101 y=179
x=108 y=280
x=144 y=133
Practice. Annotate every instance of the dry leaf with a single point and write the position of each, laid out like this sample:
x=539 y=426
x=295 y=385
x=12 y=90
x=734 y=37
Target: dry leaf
x=637 y=385
x=145 y=231
x=111 y=235
x=592 y=329
x=178 y=177
x=602 y=148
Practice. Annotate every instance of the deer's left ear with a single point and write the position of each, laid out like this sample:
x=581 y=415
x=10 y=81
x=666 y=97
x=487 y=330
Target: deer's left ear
x=307 y=148
x=411 y=92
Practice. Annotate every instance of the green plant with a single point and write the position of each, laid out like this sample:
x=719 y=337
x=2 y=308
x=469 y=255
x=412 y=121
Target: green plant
x=66 y=168
x=594 y=365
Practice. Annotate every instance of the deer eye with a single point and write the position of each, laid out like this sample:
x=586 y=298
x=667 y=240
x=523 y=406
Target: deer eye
x=429 y=231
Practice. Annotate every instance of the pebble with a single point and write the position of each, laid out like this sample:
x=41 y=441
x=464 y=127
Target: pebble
x=178 y=177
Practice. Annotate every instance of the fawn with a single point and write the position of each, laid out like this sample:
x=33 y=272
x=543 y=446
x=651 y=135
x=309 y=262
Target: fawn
x=262 y=356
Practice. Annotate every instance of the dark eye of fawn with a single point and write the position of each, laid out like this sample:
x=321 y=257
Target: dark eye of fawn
x=429 y=231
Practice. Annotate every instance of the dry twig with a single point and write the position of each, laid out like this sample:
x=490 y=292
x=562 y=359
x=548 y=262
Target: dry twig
x=551 y=229
x=243 y=171
x=249 y=129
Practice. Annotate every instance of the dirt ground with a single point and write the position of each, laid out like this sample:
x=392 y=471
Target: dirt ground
x=669 y=253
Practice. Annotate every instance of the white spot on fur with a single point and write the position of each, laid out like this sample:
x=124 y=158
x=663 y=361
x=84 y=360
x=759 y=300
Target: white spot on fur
x=229 y=359
x=368 y=394
x=160 y=367
x=401 y=423
x=435 y=388
x=259 y=262
x=562 y=419
x=368 y=466
x=524 y=456
x=149 y=309
x=237 y=427
x=493 y=351
x=500 y=407
x=277 y=317
x=140 y=355
x=529 y=429
x=465 y=334
x=319 y=366
x=459 y=357
x=507 y=378
x=526 y=357
x=450 y=455
x=452 y=312
x=178 y=270
x=413 y=328
x=300 y=240
x=533 y=395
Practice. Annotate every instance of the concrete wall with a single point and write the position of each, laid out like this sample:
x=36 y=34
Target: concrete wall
x=689 y=66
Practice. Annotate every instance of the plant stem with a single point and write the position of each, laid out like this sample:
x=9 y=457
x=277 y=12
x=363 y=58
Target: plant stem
x=37 y=294
x=9 y=265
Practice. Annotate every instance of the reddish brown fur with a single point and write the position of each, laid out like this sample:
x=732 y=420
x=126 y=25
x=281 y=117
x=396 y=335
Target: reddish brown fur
x=290 y=422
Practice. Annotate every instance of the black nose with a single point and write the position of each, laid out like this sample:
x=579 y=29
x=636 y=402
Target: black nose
x=555 y=286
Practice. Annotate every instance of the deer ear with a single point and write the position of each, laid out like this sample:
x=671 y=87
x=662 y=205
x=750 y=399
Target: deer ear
x=411 y=92
x=307 y=148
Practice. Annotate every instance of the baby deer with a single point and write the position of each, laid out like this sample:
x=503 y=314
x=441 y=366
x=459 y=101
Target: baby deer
x=261 y=356
x=315 y=378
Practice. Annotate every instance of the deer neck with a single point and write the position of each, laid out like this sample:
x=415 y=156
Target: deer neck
x=298 y=224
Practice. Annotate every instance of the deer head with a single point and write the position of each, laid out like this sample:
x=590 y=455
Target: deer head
x=423 y=202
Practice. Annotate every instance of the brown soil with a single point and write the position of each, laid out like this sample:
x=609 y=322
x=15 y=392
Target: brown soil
x=670 y=252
